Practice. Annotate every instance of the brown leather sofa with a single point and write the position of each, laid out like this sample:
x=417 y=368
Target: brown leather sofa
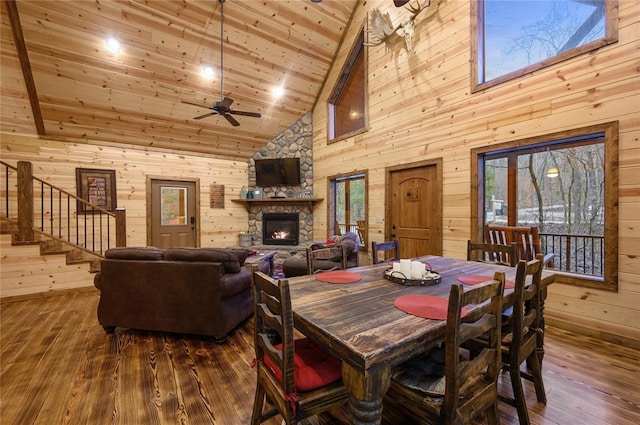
x=298 y=267
x=202 y=291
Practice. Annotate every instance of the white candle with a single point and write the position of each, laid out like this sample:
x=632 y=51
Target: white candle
x=405 y=268
x=417 y=270
x=396 y=267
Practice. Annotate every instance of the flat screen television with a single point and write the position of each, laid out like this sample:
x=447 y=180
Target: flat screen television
x=277 y=172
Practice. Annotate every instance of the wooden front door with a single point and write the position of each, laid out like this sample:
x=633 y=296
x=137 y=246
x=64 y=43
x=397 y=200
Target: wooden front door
x=173 y=214
x=414 y=208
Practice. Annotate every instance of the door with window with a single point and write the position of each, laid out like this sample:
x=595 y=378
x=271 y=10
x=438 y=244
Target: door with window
x=173 y=216
x=414 y=205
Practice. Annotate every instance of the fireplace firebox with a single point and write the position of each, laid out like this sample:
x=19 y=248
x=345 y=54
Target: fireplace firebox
x=280 y=229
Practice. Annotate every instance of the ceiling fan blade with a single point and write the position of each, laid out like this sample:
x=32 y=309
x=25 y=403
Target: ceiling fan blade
x=226 y=102
x=199 y=117
x=195 y=104
x=246 y=114
x=231 y=120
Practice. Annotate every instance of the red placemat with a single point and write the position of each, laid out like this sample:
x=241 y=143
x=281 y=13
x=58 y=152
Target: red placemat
x=338 y=276
x=426 y=306
x=475 y=279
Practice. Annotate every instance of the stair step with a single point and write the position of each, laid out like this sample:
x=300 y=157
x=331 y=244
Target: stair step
x=7 y=227
x=79 y=256
x=52 y=246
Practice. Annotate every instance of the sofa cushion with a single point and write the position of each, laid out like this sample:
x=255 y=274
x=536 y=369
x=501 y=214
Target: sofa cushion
x=227 y=257
x=313 y=367
x=135 y=253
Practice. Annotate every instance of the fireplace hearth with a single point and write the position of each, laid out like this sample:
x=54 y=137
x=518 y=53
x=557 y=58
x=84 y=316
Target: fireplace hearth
x=280 y=229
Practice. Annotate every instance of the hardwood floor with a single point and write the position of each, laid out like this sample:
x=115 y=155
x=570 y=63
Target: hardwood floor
x=59 y=367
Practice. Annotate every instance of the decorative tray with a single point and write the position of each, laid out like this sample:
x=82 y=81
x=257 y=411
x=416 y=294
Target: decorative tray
x=430 y=278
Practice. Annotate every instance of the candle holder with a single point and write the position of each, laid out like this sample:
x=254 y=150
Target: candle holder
x=430 y=278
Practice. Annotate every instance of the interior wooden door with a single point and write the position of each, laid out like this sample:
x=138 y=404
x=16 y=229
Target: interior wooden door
x=173 y=214
x=414 y=208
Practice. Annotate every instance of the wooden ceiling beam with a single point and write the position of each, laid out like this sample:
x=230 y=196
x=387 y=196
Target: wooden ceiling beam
x=25 y=65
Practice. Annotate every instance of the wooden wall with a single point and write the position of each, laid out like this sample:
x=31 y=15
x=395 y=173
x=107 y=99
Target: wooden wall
x=56 y=162
x=421 y=107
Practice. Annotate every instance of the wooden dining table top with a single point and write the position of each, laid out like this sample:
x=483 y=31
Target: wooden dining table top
x=359 y=323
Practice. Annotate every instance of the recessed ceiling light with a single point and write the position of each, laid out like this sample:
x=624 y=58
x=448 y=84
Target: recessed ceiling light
x=113 y=44
x=278 y=91
x=208 y=71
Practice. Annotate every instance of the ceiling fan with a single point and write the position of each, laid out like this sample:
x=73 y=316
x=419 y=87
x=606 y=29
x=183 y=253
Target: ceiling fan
x=223 y=107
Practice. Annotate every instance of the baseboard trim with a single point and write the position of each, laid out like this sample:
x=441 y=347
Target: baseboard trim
x=606 y=332
x=48 y=294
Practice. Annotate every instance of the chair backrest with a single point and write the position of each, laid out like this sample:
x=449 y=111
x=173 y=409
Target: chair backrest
x=326 y=259
x=506 y=255
x=385 y=248
x=475 y=379
x=273 y=313
x=527 y=239
x=527 y=314
x=360 y=230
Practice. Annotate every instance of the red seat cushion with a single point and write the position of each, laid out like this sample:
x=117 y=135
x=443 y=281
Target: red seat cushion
x=314 y=368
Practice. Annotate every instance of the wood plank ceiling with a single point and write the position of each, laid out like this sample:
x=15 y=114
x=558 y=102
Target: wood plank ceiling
x=77 y=90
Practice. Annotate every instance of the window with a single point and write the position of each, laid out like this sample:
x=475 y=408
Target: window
x=513 y=38
x=173 y=205
x=347 y=105
x=348 y=203
x=566 y=185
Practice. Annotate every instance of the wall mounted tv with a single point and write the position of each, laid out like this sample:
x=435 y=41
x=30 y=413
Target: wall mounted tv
x=277 y=171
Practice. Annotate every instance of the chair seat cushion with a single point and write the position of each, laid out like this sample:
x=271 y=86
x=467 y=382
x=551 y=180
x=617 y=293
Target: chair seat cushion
x=314 y=368
x=423 y=373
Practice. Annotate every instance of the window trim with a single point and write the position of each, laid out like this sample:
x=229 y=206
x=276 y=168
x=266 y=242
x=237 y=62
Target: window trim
x=477 y=16
x=610 y=131
x=358 y=46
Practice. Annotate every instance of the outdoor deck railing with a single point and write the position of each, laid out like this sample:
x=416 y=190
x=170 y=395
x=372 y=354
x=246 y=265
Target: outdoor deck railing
x=582 y=254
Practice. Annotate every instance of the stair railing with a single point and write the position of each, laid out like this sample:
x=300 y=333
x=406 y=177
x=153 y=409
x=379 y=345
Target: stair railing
x=40 y=207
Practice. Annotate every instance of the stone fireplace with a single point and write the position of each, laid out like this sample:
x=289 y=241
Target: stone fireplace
x=280 y=229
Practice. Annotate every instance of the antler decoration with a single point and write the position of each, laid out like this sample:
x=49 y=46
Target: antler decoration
x=380 y=27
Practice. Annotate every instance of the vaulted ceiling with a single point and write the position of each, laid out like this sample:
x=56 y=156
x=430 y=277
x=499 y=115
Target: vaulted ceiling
x=60 y=81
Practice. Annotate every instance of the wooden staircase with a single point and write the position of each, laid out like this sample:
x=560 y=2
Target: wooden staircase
x=49 y=246
x=35 y=211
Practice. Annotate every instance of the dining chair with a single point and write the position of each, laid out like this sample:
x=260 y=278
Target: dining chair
x=506 y=255
x=295 y=377
x=525 y=336
x=390 y=251
x=421 y=393
x=360 y=227
x=527 y=240
x=327 y=259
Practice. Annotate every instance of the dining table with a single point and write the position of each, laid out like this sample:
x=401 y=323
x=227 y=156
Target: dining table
x=357 y=321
